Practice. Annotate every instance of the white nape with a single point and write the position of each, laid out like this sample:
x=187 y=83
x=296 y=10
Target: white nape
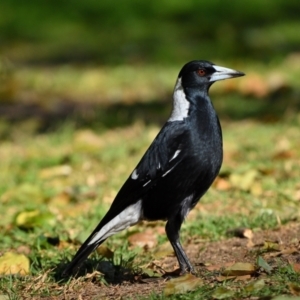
x=128 y=217
x=175 y=155
x=134 y=175
x=180 y=104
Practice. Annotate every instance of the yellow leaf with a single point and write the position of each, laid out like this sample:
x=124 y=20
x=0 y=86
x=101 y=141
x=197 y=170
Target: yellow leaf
x=244 y=181
x=294 y=288
x=12 y=263
x=182 y=284
x=163 y=251
x=255 y=286
x=222 y=293
x=105 y=252
x=57 y=171
x=239 y=269
x=34 y=218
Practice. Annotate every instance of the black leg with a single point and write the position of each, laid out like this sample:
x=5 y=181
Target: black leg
x=172 y=231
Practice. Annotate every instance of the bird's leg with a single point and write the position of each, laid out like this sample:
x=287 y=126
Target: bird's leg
x=172 y=231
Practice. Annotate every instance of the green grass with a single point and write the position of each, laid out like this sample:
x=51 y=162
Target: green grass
x=68 y=171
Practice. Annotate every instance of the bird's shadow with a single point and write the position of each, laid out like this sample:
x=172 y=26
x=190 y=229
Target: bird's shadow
x=103 y=269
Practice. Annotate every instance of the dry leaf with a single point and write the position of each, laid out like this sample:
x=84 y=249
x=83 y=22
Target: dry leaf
x=294 y=289
x=296 y=268
x=239 y=269
x=163 y=251
x=182 y=284
x=105 y=252
x=222 y=278
x=243 y=278
x=12 y=263
x=255 y=286
x=245 y=180
x=222 y=293
x=270 y=246
x=143 y=239
x=63 y=170
x=34 y=218
x=241 y=232
x=218 y=267
x=222 y=184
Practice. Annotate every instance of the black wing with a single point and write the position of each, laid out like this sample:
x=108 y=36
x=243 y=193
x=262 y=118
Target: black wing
x=163 y=155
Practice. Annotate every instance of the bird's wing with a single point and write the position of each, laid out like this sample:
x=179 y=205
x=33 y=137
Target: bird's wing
x=164 y=154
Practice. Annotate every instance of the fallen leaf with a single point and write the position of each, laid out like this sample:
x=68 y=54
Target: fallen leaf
x=222 y=293
x=163 y=251
x=264 y=265
x=222 y=278
x=291 y=250
x=294 y=289
x=239 y=269
x=270 y=246
x=245 y=180
x=57 y=171
x=13 y=263
x=255 y=286
x=143 y=239
x=182 y=284
x=241 y=232
x=296 y=268
x=218 y=267
x=4 y=297
x=243 y=278
x=34 y=218
x=105 y=252
x=285 y=298
x=222 y=184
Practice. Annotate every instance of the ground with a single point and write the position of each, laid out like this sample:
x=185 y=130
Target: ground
x=278 y=247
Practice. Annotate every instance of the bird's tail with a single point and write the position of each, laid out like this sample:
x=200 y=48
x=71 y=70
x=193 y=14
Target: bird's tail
x=84 y=251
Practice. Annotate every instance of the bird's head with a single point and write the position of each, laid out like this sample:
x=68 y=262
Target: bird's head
x=202 y=74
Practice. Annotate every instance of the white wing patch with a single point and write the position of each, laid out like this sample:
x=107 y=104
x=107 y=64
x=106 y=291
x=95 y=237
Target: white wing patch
x=175 y=155
x=134 y=175
x=180 y=104
x=168 y=171
x=128 y=217
x=147 y=182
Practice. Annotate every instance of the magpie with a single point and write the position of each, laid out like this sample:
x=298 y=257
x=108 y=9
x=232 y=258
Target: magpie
x=176 y=170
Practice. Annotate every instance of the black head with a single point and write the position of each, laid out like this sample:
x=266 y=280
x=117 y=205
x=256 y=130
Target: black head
x=202 y=74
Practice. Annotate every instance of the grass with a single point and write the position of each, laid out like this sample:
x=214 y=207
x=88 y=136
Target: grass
x=68 y=173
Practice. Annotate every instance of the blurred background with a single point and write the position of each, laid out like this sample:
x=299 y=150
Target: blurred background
x=63 y=59
x=86 y=85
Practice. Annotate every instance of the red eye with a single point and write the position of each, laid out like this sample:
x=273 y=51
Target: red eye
x=201 y=72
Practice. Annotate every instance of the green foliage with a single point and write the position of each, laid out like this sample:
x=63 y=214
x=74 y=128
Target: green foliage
x=133 y=31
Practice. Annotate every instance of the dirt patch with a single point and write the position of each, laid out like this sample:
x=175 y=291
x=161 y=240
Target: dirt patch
x=205 y=257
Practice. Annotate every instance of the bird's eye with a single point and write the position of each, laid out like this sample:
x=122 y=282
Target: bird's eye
x=201 y=72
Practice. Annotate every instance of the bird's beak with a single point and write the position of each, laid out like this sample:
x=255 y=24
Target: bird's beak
x=222 y=73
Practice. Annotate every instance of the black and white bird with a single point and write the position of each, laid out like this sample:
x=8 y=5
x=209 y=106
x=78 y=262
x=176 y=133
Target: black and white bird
x=176 y=170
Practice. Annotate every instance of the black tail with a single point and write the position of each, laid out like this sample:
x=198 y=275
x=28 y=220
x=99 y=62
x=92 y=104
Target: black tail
x=84 y=251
